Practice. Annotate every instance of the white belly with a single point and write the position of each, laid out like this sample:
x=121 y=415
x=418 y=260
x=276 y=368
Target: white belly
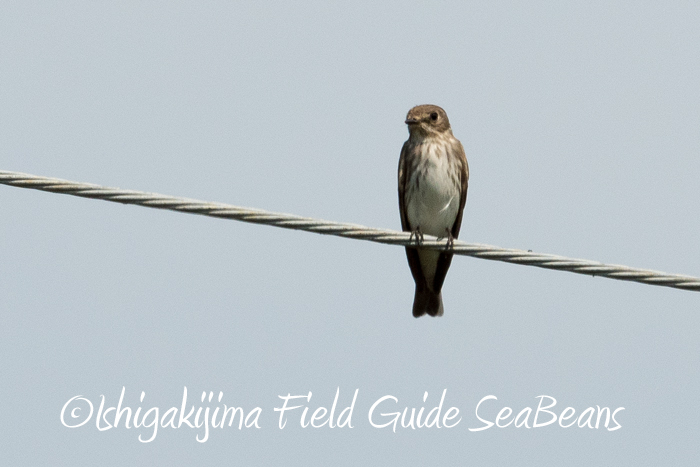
x=432 y=200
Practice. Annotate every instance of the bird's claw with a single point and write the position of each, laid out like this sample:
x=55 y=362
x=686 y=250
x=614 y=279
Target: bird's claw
x=450 y=240
x=418 y=236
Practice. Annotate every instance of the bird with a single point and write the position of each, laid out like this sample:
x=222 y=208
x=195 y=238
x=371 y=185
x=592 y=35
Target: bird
x=433 y=181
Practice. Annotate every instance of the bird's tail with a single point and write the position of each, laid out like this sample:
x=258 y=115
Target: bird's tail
x=427 y=301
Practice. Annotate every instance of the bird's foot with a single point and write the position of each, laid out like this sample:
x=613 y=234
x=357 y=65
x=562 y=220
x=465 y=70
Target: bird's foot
x=450 y=240
x=418 y=236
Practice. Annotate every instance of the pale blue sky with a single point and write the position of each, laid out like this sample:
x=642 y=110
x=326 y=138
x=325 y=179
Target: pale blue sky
x=580 y=122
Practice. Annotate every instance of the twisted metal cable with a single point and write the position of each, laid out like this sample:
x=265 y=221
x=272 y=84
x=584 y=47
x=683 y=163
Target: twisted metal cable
x=391 y=237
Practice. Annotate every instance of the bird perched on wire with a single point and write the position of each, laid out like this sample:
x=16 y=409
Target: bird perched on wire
x=433 y=179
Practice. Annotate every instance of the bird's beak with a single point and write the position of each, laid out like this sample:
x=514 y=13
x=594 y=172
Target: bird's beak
x=410 y=121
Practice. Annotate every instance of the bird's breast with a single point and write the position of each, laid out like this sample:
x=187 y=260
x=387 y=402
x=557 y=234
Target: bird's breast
x=432 y=189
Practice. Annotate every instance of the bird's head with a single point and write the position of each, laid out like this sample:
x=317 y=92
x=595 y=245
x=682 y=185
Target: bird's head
x=427 y=120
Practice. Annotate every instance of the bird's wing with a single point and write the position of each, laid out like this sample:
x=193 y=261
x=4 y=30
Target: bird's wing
x=411 y=253
x=405 y=226
x=464 y=179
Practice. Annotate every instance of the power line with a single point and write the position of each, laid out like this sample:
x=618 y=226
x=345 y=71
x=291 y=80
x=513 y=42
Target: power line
x=359 y=232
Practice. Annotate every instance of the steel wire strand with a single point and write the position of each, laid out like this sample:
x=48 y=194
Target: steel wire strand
x=358 y=232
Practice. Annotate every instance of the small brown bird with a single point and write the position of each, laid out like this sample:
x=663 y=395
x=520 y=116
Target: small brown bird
x=433 y=179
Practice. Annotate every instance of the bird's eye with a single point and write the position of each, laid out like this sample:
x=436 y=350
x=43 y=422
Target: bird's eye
x=433 y=116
